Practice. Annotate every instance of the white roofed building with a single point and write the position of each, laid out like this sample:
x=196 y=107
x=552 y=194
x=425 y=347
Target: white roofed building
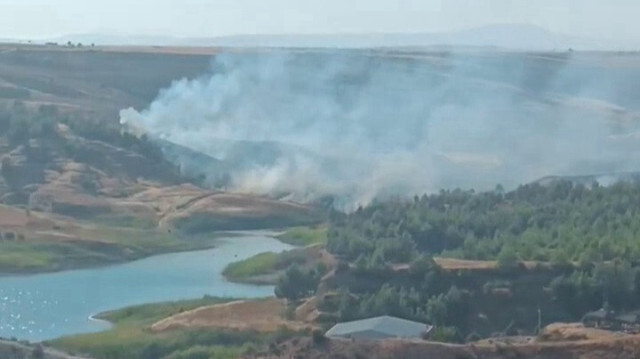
x=378 y=328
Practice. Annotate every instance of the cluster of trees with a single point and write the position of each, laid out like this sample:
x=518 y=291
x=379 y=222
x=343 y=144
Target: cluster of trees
x=297 y=283
x=39 y=137
x=445 y=310
x=561 y=222
x=465 y=303
x=19 y=124
x=424 y=292
x=583 y=236
x=614 y=284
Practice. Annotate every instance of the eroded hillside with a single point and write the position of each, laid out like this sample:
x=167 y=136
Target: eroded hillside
x=76 y=191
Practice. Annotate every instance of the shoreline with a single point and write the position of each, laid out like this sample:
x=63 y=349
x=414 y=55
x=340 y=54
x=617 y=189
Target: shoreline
x=94 y=318
x=215 y=242
x=168 y=277
x=95 y=265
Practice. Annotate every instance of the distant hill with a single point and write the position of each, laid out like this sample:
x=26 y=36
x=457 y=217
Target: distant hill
x=520 y=37
x=110 y=39
x=110 y=81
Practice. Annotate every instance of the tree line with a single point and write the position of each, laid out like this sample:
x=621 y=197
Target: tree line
x=561 y=222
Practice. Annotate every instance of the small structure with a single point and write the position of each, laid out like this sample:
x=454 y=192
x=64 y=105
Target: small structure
x=629 y=320
x=600 y=318
x=378 y=328
x=607 y=319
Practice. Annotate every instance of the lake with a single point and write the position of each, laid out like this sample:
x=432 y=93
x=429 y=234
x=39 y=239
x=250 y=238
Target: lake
x=46 y=306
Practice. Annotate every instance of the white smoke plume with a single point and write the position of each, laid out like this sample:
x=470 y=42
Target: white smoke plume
x=357 y=125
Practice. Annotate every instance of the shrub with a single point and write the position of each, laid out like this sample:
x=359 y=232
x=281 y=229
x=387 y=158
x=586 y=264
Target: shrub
x=445 y=335
x=318 y=336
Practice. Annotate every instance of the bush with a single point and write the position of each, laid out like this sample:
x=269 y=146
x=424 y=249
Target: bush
x=304 y=236
x=263 y=263
x=295 y=284
x=318 y=337
x=507 y=258
x=445 y=335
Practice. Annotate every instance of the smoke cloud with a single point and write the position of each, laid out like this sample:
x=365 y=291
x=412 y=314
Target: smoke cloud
x=359 y=125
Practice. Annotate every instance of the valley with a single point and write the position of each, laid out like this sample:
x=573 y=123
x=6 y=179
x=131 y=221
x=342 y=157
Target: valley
x=76 y=192
x=97 y=215
x=47 y=306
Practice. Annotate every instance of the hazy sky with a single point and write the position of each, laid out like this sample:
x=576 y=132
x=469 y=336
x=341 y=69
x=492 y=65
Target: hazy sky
x=204 y=18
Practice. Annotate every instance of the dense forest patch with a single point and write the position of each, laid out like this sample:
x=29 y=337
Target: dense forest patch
x=562 y=222
x=558 y=251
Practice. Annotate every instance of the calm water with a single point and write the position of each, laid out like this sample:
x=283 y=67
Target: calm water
x=47 y=306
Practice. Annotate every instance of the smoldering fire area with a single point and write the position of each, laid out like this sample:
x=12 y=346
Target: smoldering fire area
x=356 y=125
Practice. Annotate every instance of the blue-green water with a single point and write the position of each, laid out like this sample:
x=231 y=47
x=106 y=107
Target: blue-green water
x=46 y=306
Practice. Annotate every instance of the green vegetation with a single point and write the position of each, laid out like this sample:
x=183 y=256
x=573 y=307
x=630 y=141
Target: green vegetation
x=585 y=238
x=125 y=220
x=150 y=313
x=264 y=263
x=131 y=338
x=297 y=283
x=18 y=124
x=265 y=267
x=203 y=223
x=304 y=236
x=561 y=222
x=18 y=257
x=99 y=246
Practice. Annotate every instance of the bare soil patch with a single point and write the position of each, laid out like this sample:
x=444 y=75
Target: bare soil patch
x=261 y=315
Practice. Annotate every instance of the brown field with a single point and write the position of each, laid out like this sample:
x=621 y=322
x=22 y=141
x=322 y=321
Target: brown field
x=455 y=264
x=565 y=332
x=265 y=315
x=461 y=264
x=465 y=264
x=36 y=224
x=13 y=217
x=98 y=81
x=129 y=49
